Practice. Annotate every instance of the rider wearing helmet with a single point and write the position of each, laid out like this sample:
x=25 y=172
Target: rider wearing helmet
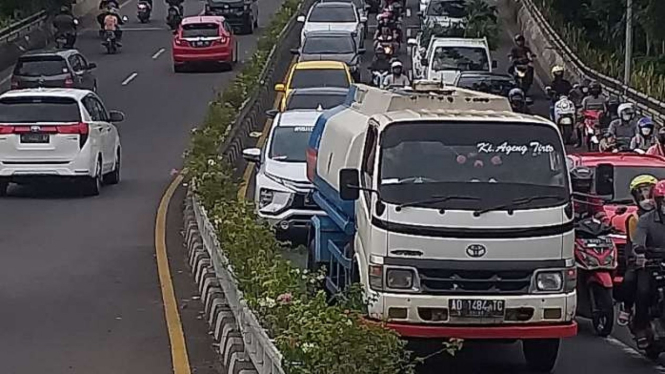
x=518 y=101
x=585 y=206
x=520 y=53
x=608 y=143
x=649 y=236
x=645 y=137
x=396 y=78
x=658 y=149
x=624 y=127
x=65 y=24
x=641 y=190
x=595 y=100
x=560 y=86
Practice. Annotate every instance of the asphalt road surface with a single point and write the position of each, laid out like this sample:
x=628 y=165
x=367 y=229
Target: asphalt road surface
x=78 y=278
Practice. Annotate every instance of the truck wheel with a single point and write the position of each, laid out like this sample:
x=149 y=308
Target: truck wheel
x=603 y=316
x=541 y=354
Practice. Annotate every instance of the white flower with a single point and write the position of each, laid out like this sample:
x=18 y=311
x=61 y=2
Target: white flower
x=211 y=162
x=306 y=347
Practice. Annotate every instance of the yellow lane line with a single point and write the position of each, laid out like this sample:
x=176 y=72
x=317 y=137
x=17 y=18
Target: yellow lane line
x=249 y=169
x=179 y=355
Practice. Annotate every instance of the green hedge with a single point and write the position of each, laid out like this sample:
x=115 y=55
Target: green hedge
x=313 y=336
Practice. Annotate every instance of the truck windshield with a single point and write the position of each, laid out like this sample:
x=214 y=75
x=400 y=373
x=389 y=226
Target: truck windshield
x=493 y=162
x=453 y=9
x=460 y=58
x=289 y=143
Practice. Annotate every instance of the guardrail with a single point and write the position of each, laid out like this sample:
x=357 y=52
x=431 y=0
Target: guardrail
x=645 y=104
x=244 y=345
x=22 y=27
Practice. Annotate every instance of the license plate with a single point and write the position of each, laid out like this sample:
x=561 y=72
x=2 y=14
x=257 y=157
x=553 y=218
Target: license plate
x=34 y=138
x=476 y=308
x=201 y=44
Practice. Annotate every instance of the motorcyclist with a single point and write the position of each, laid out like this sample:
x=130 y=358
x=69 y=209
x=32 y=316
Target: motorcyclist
x=104 y=4
x=641 y=188
x=559 y=86
x=608 y=143
x=595 y=100
x=520 y=54
x=518 y=101
x=112 y=22
x=645 y=137
x=649 y=235
x=177 y=3
x=384 y=35
x=380 y=61
x=396 y=78
x=624 y=127
x=658 y=149
x=585 y=206
x=65 y=24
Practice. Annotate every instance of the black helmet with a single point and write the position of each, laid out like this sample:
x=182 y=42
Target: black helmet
x=519 y=38
x=595 y=88
x=581 y=179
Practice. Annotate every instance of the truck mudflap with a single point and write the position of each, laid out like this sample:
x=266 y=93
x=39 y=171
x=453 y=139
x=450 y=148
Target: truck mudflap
x=539 y=331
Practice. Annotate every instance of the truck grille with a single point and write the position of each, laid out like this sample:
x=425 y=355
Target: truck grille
x=470 y=282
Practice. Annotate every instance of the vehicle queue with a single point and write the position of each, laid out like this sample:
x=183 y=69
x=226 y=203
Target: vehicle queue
x=617 y=185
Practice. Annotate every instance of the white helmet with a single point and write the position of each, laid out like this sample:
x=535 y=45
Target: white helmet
x=396 y=64
x=626 y=107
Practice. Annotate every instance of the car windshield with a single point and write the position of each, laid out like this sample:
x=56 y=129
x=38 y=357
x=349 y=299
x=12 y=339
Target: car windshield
x=41 y=66
x=289 y=143
x=493 y=163
x=460 y=58
x=320 y=45
x=624 y=174
x=308 y=78
x=309 y=101
x=200 y=30
x=452 y=9
x=495 y=86
x=332 y=14
x=39 y=109
x=358 y=3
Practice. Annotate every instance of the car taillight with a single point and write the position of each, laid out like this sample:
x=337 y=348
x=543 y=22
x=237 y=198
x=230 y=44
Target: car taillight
x=80 y=128
x=69 y=82
x=4 y=129
x=179 y=41
x=223 y=40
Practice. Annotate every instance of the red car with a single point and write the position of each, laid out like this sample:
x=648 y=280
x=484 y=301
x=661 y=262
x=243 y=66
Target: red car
x=204 y=39
x=626 y=167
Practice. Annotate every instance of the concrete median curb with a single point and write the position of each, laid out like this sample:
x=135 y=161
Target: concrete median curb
x=227 y=337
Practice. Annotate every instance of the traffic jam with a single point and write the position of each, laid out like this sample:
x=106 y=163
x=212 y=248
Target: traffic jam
x=406 y=159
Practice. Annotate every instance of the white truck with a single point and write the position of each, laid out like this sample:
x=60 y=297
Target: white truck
x=445 y=57
x=451 y=211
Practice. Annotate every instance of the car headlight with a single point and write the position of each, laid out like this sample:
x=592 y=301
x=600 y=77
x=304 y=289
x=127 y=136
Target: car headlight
x=549 y=281
x=271 y=201
x=401 y=279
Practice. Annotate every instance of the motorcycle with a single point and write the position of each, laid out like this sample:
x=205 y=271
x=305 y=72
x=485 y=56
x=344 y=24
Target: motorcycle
x=378 y=77
x=66 y=40
x=596 y=257
x=591 y=128
x=564 y=117
x=144 y=10
x=174 y=16
x=110 y=42
x=387 y=44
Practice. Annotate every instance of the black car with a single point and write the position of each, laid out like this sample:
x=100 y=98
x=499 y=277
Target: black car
x=54 y=69
x=315 y=98
x=493 y=83
x=242 y=15
x=331 y=46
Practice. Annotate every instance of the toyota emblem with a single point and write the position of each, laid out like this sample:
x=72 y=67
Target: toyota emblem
x=476 y=250
x=35 y=128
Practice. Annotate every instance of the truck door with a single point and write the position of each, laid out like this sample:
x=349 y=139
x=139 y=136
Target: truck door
x=365 y=206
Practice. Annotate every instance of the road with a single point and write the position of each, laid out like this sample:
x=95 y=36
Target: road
x=78 y=278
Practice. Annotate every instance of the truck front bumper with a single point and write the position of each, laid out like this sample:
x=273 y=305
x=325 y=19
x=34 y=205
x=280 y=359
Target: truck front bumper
x=532 y=316
x=292 y=219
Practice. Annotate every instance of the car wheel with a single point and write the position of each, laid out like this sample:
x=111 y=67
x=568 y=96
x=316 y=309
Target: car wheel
x=4 y=186
x=256 y=21
x=114 y=176
x=93 y=185
x=178 y=68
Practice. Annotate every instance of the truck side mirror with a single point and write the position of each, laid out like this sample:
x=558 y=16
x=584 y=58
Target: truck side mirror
x=605 y=180
x=349 y=184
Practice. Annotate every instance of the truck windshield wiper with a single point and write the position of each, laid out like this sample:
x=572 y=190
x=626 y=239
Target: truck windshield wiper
x=516 y=203
x=436 y=199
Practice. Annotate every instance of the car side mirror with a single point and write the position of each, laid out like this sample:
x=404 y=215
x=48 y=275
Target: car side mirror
x=301 y=19
x=279 y=87
x=272 y=113
x=92 y=65
x=125 y=19
x=605 y=180
x=420 y=14
x=361 y=51
x=411 y=42
x=494 y=64
x=252 y=155
x=363 y=19
x=295 y=51
x=115 y=116
x=349 y=184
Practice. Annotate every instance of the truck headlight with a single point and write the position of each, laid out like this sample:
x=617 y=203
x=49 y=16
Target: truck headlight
x=271 y=201
x=401 y=279
x=549 y=281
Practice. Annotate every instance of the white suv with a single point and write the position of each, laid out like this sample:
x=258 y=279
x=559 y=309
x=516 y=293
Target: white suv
x=58 y=133
x=283 y=194
x=334 y=16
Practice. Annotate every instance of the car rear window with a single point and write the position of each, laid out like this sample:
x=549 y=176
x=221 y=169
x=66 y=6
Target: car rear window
x=39 y=109
x=198 y=30
x=41 y=66
x=307 y=78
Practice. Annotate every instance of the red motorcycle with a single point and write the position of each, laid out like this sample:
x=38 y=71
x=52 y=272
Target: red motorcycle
x=591 y=128
x=596 y=258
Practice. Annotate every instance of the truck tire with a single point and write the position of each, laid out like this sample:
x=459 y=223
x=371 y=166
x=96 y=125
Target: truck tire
x=541 y=354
